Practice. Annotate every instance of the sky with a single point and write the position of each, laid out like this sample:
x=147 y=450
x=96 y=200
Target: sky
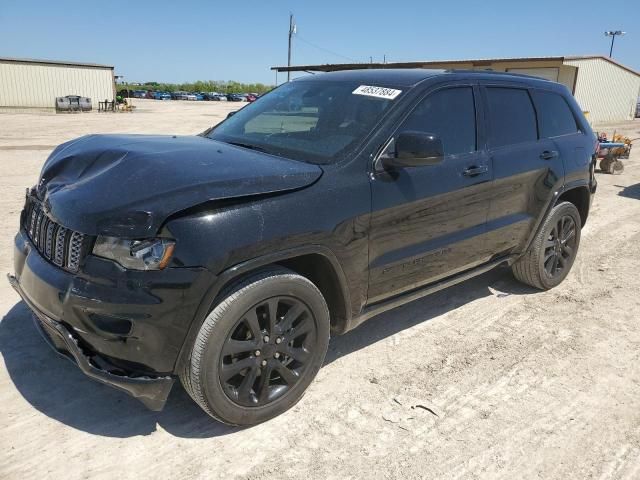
x=192 y=40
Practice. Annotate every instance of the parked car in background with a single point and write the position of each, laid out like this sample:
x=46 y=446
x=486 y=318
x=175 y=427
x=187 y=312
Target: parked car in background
x=199 y=96
x=235 y=97
x=214 y=96
x=162 y=96
x=139 y=93
x=183 y=96
x=251 y=97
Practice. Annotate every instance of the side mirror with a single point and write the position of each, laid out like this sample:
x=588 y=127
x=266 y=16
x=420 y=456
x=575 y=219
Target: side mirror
x=414 y=149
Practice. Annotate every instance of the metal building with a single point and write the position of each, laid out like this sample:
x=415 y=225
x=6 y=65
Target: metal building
x=603 y=87
x=27 y=84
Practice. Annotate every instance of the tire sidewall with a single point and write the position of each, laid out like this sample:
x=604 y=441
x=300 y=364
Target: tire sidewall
x=563 y=209
x=227 y=317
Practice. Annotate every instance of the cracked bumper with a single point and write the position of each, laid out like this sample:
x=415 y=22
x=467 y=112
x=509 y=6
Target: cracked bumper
x=151 y=391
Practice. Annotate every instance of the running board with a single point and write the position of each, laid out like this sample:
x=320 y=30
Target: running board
x=399 y=300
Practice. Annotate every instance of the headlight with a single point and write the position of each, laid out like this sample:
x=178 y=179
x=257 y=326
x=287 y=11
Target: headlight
x=151 y=254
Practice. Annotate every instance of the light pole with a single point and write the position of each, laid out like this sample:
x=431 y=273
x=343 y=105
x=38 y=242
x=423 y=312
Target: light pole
x=613 y=34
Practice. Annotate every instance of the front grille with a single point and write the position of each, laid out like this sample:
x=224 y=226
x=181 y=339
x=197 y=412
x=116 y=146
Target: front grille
x=56 y=243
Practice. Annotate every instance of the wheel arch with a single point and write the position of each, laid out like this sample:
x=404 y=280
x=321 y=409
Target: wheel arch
x=326 y=275
x=315 y=262
x=577 y=193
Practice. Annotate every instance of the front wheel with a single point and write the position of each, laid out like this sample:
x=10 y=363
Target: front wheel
x=259 y=348
x=553 y=251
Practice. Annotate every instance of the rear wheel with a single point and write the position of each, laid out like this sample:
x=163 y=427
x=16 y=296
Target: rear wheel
x=553 y=251
x=259 y=348
x=616 y=167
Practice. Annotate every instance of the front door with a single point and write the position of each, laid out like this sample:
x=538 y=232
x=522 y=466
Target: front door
x=429 y=222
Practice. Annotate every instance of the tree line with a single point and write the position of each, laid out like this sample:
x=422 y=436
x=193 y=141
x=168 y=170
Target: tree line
x=200 y=86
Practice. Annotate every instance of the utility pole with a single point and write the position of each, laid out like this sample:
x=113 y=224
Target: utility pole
x=613 y=34
x=292 y=30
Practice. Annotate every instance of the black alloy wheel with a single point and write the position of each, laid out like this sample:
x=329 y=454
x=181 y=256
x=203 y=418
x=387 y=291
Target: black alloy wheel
x=268 y=351
x=259 y=348
x=560 y=246
x=553 y=250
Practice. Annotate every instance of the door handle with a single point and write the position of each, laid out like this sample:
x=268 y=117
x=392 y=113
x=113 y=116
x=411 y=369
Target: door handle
x=548 y=154
x=475 y=171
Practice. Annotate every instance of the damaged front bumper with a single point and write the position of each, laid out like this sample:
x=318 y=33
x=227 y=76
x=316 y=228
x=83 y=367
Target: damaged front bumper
x=151 y=391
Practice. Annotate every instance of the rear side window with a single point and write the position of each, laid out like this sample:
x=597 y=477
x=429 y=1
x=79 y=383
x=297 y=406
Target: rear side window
x=511 y=116
x=450 y=114
x=554 y=115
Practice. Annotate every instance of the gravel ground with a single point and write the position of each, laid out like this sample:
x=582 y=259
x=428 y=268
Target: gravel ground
x=488 y=379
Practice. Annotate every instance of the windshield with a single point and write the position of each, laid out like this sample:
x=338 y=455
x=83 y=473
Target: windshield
x=314 y=121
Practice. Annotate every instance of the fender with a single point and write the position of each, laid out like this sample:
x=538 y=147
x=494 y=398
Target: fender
x=552 y=203
x=232 y=274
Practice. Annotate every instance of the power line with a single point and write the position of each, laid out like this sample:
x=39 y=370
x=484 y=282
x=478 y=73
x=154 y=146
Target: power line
x=298 y=37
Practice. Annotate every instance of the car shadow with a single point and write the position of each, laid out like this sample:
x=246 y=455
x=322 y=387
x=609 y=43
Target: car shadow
x=425 y=309
x=632 y=191
x=57 y=388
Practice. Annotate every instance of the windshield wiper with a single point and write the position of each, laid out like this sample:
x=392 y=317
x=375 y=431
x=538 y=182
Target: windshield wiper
x=249 y=146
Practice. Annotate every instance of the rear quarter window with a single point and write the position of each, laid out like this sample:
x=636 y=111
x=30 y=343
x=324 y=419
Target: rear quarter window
x=554 y=115
x=512 y=118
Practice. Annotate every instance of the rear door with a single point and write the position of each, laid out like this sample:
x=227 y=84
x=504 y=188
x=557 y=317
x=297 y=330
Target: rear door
x=527 y=169
x=557 y=122
x=429 y=222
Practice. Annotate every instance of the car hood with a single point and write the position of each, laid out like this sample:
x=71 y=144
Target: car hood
x=128 y=185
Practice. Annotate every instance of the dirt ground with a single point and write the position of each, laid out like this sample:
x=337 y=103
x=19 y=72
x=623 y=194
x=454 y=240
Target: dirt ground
x=488 y=379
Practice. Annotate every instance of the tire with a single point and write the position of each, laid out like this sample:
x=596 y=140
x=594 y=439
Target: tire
x=616 y=167
x=259 y=348
x=536 y=266
x=605 y=163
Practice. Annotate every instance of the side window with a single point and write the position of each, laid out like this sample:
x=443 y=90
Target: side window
x=511 y=116
x=450 y=114
x=554 y=115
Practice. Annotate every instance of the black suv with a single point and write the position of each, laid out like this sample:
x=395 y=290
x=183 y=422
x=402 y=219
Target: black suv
x=226 y=259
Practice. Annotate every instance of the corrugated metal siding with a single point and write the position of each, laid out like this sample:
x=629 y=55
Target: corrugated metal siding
x=24 y=85
x=609 y=93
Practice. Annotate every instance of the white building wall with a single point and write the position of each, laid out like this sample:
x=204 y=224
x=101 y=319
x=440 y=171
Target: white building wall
x=607 y=91
x=36 y=85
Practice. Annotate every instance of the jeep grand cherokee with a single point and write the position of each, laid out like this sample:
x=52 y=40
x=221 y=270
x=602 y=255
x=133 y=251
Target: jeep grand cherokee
x=226 y=259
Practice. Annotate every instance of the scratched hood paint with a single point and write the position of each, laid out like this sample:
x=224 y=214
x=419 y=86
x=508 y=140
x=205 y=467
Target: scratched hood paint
x=127 y=185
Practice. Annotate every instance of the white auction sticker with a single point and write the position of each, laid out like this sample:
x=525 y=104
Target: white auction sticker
x=379 y=92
